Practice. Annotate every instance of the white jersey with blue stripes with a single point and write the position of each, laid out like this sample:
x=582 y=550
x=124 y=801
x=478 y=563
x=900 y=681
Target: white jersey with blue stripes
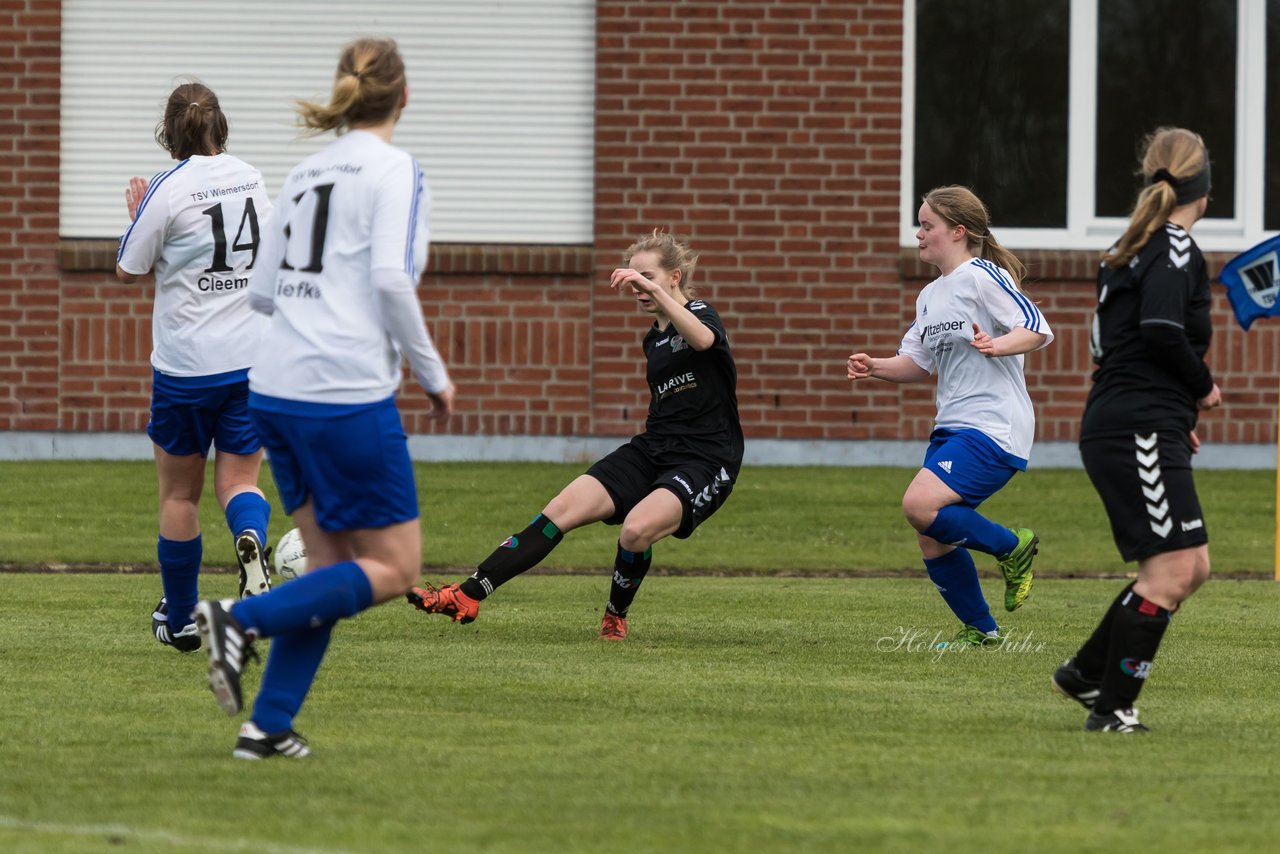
x=976 y=391
x=198 y=227
x=357 y=206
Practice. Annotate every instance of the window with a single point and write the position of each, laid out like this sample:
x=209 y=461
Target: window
x=991 y=112
x=1180 y=77
x=1041 y=107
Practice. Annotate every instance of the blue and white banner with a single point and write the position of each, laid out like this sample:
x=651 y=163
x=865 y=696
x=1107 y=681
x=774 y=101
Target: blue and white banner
x=1252 y=279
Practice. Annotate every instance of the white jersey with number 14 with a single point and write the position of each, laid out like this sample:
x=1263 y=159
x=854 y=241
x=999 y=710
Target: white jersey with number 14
x=197 y=227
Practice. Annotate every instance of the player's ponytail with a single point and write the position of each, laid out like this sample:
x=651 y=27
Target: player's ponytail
x=960 y=206
x=673 y=254
x=1175 y=171
x=193 y=122
x=368 y=88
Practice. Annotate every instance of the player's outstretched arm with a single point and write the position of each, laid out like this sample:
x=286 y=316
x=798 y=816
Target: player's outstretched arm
x=895 y=369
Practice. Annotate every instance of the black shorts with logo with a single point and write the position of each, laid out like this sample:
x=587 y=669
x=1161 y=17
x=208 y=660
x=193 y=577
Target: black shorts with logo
x=1146 y=486
x=639 y=467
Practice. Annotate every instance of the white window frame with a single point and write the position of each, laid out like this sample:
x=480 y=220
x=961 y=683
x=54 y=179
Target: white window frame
x=1084 y=230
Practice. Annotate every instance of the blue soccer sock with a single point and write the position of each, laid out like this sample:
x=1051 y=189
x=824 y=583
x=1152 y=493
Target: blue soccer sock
x=319 y=598
x=249 y=511
x=292 y=663
x=180 y=578
x=958 y=524
x=956 y=578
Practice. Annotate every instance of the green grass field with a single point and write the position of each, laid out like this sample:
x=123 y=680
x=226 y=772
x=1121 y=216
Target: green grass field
x=749 y=710
x=743 y=714
x=812 y=519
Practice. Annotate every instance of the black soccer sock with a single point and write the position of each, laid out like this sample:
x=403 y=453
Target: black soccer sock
x=1136 y=630
x=519 y=553
x=1091 y=660
x=629 y=569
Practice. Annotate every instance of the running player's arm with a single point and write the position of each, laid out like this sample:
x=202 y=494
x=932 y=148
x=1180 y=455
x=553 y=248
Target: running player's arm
x=912 y=363
x=895 y=369
x=1163 y=307
x=398 y=249
x=141 y=244
x=1013 y=343
x=262 y=282
x=1013 y=310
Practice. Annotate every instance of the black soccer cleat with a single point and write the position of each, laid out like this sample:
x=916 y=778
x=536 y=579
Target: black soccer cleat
x=1068 y=681
x=253 y=743
x=229 y=647
x=254 y=580
x=1121 y=720
x=187 y=640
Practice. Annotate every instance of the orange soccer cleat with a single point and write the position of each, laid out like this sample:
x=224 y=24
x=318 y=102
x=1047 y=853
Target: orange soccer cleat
x=613 y=627
x=448 y=600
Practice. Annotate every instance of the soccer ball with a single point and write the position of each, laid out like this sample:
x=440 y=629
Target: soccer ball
x=290 y=557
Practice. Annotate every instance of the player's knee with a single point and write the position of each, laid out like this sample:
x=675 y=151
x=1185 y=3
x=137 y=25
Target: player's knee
x=918 y=515
x=407 y=573
x=1179 y=586
x=560 y=511
x=635 y=537
x=394 y=576
x=1199 y=571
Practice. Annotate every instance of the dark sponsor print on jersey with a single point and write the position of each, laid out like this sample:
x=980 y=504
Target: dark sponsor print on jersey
x=213 y=283
x=945 y=326
x=299 y=290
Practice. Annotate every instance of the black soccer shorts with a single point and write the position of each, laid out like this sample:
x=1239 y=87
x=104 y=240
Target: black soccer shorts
x=1146 y=486
x=639 y=467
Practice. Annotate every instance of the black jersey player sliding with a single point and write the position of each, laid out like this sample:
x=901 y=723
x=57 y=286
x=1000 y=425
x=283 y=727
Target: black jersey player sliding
x=667 y=480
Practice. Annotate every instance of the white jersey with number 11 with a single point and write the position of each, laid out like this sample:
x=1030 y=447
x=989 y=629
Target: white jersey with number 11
x=357 y=206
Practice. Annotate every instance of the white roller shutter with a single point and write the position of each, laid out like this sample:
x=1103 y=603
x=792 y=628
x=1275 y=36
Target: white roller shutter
x=500 y=101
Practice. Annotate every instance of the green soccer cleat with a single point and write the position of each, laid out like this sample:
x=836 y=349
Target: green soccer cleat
x=1016 y=568
x=973 y=636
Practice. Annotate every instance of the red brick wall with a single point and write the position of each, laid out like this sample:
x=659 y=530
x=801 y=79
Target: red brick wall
x=513 y=324
x=30 y=46
x=767 y=132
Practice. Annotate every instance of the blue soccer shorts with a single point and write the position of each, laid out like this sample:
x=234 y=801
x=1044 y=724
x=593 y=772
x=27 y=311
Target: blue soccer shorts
x=189 y=414
x=352 y=462
x=970 y=463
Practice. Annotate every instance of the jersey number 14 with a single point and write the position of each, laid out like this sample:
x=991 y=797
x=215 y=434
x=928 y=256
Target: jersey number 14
x=248 y=219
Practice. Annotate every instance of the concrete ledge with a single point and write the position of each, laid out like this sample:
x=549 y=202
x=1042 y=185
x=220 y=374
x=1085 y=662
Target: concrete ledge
x=583 y=449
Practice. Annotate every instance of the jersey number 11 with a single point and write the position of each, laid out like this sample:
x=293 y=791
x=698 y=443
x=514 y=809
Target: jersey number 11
x=319 y=228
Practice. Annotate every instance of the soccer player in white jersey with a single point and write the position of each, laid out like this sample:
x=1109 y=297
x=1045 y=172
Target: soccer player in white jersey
x=973 y=324
x=338 y=273
x=197 y=225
